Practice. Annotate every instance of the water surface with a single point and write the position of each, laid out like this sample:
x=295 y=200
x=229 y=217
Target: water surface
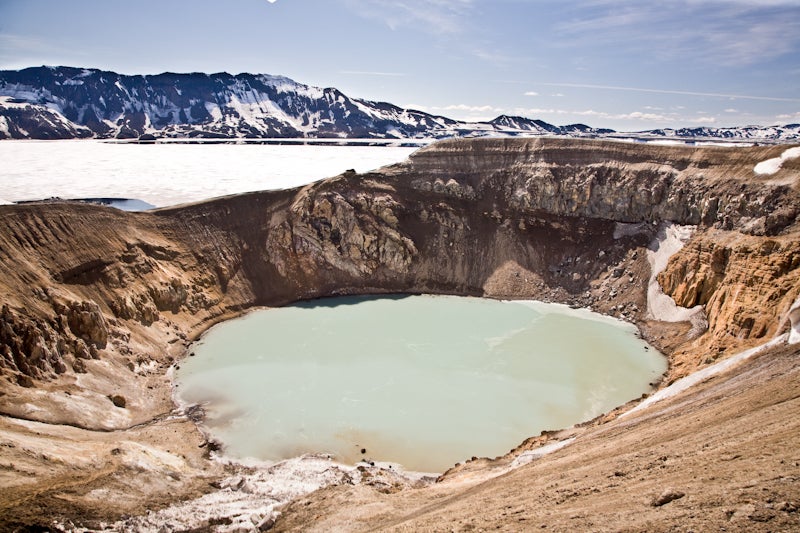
x=425 y=381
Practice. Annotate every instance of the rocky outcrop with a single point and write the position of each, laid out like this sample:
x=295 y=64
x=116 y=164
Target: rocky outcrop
x=86 y=322
x=30 y=347
x=354 y=233
x=746 y=285
x=620 y=182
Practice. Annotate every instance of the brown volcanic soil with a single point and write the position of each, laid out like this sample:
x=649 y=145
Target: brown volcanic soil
x=99 y=304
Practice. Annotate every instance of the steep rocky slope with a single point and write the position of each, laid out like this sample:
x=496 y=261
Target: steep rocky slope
x=99 y=303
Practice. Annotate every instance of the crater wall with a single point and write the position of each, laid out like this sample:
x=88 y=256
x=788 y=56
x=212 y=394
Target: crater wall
x=535 y=218
x=98 y=304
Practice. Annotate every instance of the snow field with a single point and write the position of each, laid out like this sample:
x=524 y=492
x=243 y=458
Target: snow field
x=771 y=166
x=169 y=174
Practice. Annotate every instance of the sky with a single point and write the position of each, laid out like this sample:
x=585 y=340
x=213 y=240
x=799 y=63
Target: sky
x=629 y=65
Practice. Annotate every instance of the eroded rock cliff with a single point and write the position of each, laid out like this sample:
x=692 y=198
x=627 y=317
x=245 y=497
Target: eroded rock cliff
x=100 y=303
x=506 y=217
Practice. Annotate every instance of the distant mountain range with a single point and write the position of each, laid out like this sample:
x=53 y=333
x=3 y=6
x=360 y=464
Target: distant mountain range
x=67 y=103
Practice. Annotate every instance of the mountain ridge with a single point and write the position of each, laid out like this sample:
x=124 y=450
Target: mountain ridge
x=70 y=102
x=73 y=102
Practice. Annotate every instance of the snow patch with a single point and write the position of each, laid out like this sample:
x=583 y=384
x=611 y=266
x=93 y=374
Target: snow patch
x=214 y=111
x=771 y=166
x=724 y=144
x=7 y=101
x=167 y=174
x=794 y=318
x=249 y=500
x=667 y=142
x=394 y=132
x=531 y=455
x=670 y=239
x=697 y=377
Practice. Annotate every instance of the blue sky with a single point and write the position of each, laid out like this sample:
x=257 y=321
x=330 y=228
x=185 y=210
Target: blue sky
x=624 y=64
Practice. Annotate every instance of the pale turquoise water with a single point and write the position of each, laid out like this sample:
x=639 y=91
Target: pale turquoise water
x=425 y=381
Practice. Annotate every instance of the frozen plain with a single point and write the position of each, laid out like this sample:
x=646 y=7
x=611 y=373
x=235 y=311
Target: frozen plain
x=169 y=174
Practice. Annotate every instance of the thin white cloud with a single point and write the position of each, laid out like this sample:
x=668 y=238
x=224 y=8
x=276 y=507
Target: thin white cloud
x=669 y=91
x=470 y=108
x=433 y=16
x=703 y=120
x=648 y=118
x=727 y=32
x=531 y=93
x=731 y=110
x=19 y=43
x=639 y=116
x=463 y=111
x=491 y=56
x=20 y=51
x=371 y=73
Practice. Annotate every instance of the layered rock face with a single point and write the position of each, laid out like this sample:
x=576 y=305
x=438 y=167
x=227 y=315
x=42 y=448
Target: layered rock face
x=89 y=287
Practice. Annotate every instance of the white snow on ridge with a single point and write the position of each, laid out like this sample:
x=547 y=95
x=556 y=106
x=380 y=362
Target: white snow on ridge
x=722 y=144
x=701 y=375
x=771 y=166
x=214 y=111
x=6 y=101
x=537 y=453
x=670 y=240
x=794 y=318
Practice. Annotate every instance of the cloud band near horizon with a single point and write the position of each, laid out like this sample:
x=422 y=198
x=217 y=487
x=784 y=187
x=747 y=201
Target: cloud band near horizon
x=666 y=91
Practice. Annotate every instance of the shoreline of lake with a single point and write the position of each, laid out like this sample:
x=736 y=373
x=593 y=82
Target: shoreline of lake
x=628 y=329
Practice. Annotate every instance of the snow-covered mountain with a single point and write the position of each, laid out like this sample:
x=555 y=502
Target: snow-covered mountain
x=65 y=102
x=788 y=132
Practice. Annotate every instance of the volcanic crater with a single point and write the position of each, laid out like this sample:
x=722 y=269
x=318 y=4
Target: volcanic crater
x=101 y=304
